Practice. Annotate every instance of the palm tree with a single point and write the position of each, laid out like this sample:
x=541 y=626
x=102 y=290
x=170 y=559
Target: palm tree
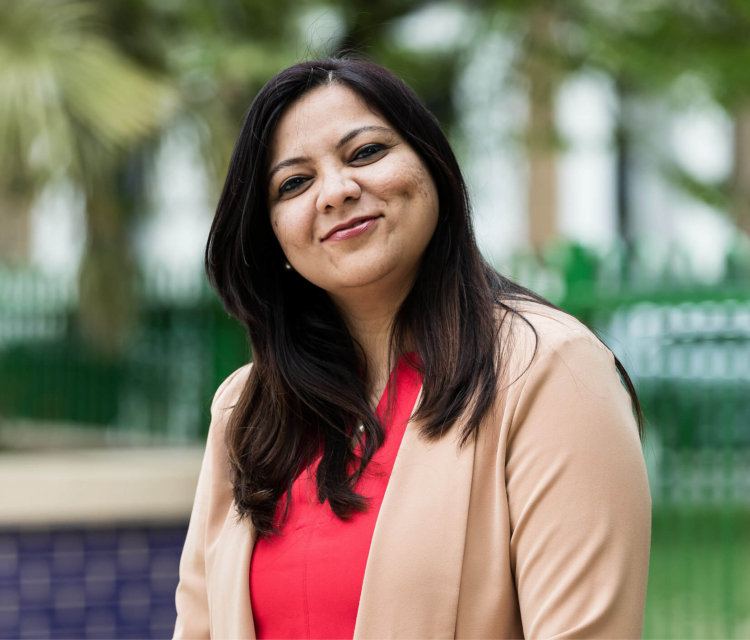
x=73 y=105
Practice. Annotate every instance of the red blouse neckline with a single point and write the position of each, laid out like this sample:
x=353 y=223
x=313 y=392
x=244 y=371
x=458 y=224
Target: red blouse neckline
x=307 y=583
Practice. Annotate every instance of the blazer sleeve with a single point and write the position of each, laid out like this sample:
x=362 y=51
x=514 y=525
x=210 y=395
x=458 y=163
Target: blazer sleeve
x=578 y=496
x=191 y=598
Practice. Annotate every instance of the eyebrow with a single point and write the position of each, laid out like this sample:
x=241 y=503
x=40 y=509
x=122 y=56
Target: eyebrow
x=302 y=159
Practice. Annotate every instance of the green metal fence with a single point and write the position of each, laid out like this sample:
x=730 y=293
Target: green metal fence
x=158 y=391
x=687 y=347
x=691 y=361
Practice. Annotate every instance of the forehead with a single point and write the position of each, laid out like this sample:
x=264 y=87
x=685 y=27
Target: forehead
x=321 y=116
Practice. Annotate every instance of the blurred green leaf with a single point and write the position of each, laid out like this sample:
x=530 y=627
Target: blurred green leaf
x=63 y=80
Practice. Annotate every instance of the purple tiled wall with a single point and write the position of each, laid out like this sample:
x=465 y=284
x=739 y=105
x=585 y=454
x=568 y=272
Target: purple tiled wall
x=92 y=582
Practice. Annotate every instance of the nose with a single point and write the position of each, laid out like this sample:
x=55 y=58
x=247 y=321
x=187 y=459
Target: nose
x=336 y=189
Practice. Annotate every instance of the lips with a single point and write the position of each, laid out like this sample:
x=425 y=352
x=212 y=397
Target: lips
x=354 y=224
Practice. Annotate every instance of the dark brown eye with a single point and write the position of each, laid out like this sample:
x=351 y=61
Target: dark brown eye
x=372 y=148
x=290 y=185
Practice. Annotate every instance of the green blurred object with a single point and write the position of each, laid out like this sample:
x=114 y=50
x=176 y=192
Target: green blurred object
x=158 y=391
x=699 y=582
x=35 y=386
x=685 y=343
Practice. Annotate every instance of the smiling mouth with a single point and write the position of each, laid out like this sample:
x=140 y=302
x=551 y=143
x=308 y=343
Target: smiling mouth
x=356 y=224
x=353 y=229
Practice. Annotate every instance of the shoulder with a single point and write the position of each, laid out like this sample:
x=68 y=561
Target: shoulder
x=546 y=347
x=225 y=398
x=548 y=324
x=563 y=371
x=533 y=332
x=229 y=390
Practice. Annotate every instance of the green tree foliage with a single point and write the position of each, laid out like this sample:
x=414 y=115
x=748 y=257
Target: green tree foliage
x=72 y=104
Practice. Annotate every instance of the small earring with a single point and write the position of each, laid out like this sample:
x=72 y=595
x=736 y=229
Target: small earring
x=288 y=266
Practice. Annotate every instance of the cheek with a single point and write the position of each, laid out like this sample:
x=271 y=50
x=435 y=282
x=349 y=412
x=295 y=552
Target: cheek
x=290 y=229
x=398 y=179
x=413 y=187
x=422 y=209
x=407 y=180
x=427 y=192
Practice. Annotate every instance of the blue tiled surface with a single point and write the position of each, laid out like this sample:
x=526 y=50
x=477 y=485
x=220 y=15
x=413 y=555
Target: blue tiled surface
x=96 y=582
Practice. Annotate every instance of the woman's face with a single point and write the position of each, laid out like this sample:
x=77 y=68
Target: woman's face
x=335 y=164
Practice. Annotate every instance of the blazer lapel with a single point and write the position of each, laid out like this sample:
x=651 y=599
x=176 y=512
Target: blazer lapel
x=413 y=570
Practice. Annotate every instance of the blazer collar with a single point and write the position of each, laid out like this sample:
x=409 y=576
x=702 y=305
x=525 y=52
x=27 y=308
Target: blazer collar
x=413 y=572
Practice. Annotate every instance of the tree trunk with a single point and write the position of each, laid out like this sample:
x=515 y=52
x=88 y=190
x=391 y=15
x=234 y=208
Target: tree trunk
x=540 y=129
x=107 y=307
x=623 y=162
x=623 y=195
x=15 y=225
x=740 y=193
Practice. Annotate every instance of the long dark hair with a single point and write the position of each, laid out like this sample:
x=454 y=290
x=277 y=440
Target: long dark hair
x=306 y=392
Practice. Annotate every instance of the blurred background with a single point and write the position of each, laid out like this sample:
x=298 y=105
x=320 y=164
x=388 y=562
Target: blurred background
x=606 y=144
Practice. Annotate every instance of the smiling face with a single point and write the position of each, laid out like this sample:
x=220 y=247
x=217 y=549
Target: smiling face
x=333 y=164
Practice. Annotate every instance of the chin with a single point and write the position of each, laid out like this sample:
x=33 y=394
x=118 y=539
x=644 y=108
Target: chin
x=362 y=278
x=360 y=275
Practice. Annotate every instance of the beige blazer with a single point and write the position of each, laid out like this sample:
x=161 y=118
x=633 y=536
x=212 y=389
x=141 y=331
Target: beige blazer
x=540 y=529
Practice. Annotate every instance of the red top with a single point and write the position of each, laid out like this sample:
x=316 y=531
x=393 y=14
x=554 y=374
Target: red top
x=307 y=583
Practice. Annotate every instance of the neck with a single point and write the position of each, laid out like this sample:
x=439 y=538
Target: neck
x=369 y=315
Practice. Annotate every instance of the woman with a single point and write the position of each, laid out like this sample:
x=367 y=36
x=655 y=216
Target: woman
x=420 y=448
